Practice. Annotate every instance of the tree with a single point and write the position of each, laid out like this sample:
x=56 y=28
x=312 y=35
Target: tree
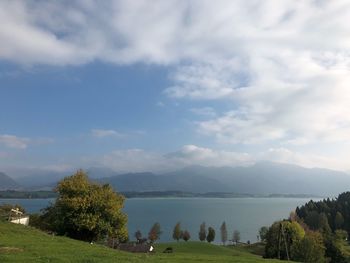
x=338 y=221
x=154 y=233
x=177 y=232
x=324 y=226
x=211 y=234
x=263 y=233
x=223 y=231
x=336 y=247
x=85 y=210
x=202 y=232
x=310 y=249
x=280 y=238
x=138 y=235
x=236 y=236
x=312 y=219
x=186 y=235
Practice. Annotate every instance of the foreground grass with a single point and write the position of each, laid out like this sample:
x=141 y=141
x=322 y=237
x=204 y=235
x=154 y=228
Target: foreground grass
x=25 y=244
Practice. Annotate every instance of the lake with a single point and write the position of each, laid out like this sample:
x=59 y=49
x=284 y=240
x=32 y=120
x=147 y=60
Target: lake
x=246 y=215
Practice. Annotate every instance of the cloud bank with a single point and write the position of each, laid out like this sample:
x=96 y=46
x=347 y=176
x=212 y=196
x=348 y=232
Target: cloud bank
x=283 y=65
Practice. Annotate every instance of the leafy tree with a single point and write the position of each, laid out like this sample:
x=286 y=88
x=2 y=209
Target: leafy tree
x=177 y=232
x=138 y=235
x=223 y=231
x=281 y=237
x=211 y=234
x=186 y=235
x=85 y=210
x=154 y=233
x=236 y=237
x=310 y=249
x=336 y=247
x=202 y=232
x=263 y=233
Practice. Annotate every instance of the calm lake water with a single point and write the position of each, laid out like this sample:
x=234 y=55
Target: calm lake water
x=246 y=215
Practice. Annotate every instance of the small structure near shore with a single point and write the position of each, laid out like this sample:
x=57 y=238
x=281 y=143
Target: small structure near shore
x=17 y=217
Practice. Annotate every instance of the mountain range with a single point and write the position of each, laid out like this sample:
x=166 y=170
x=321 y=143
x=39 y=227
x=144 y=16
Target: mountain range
x=7 y=183
x=261 y=178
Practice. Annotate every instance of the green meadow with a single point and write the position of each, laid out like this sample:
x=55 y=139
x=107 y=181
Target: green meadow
x=26 y=244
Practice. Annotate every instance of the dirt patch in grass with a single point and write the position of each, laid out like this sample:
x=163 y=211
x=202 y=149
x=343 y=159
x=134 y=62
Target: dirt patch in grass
x=6 y=250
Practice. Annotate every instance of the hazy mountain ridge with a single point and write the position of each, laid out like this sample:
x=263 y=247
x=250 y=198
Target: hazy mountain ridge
x=7 y=183
x=262 y=178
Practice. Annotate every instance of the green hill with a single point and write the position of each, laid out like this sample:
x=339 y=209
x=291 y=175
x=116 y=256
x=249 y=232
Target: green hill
x=25 y=244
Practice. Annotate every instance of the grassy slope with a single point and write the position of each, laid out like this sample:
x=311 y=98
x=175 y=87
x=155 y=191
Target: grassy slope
x=25 y=244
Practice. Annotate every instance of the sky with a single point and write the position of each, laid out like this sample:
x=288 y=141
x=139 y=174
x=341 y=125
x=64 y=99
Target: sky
x=158 y=85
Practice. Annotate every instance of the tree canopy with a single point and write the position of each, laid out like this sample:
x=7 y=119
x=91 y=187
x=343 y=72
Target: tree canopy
x=85 y=210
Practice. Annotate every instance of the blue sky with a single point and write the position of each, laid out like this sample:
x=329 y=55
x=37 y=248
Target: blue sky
x=134 y=87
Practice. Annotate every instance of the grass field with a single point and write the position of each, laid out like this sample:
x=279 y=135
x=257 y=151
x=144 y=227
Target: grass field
x=25 y=244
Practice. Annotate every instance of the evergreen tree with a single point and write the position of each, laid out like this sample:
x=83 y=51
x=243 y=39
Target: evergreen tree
x=338 y=221
x=223 y=231
x=324 y=226
x=202 y=232
x=211 y=235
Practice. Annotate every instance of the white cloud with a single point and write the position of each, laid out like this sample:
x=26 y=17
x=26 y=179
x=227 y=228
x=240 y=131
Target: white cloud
x=309 y=160
x=100 y=133
x=12 y=141
x=138 y=160
x=194 y=155
x=283 y=66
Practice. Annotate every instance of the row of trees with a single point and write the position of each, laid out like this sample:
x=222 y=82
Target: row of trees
x=204 y=234
x=209 y=235
x=178 y=233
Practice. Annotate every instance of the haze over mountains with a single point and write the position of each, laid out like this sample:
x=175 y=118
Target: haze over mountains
x=7 y=182
x=261 y=178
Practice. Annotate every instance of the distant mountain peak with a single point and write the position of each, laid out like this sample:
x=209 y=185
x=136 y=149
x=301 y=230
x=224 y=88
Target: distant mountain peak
x=7 y=183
